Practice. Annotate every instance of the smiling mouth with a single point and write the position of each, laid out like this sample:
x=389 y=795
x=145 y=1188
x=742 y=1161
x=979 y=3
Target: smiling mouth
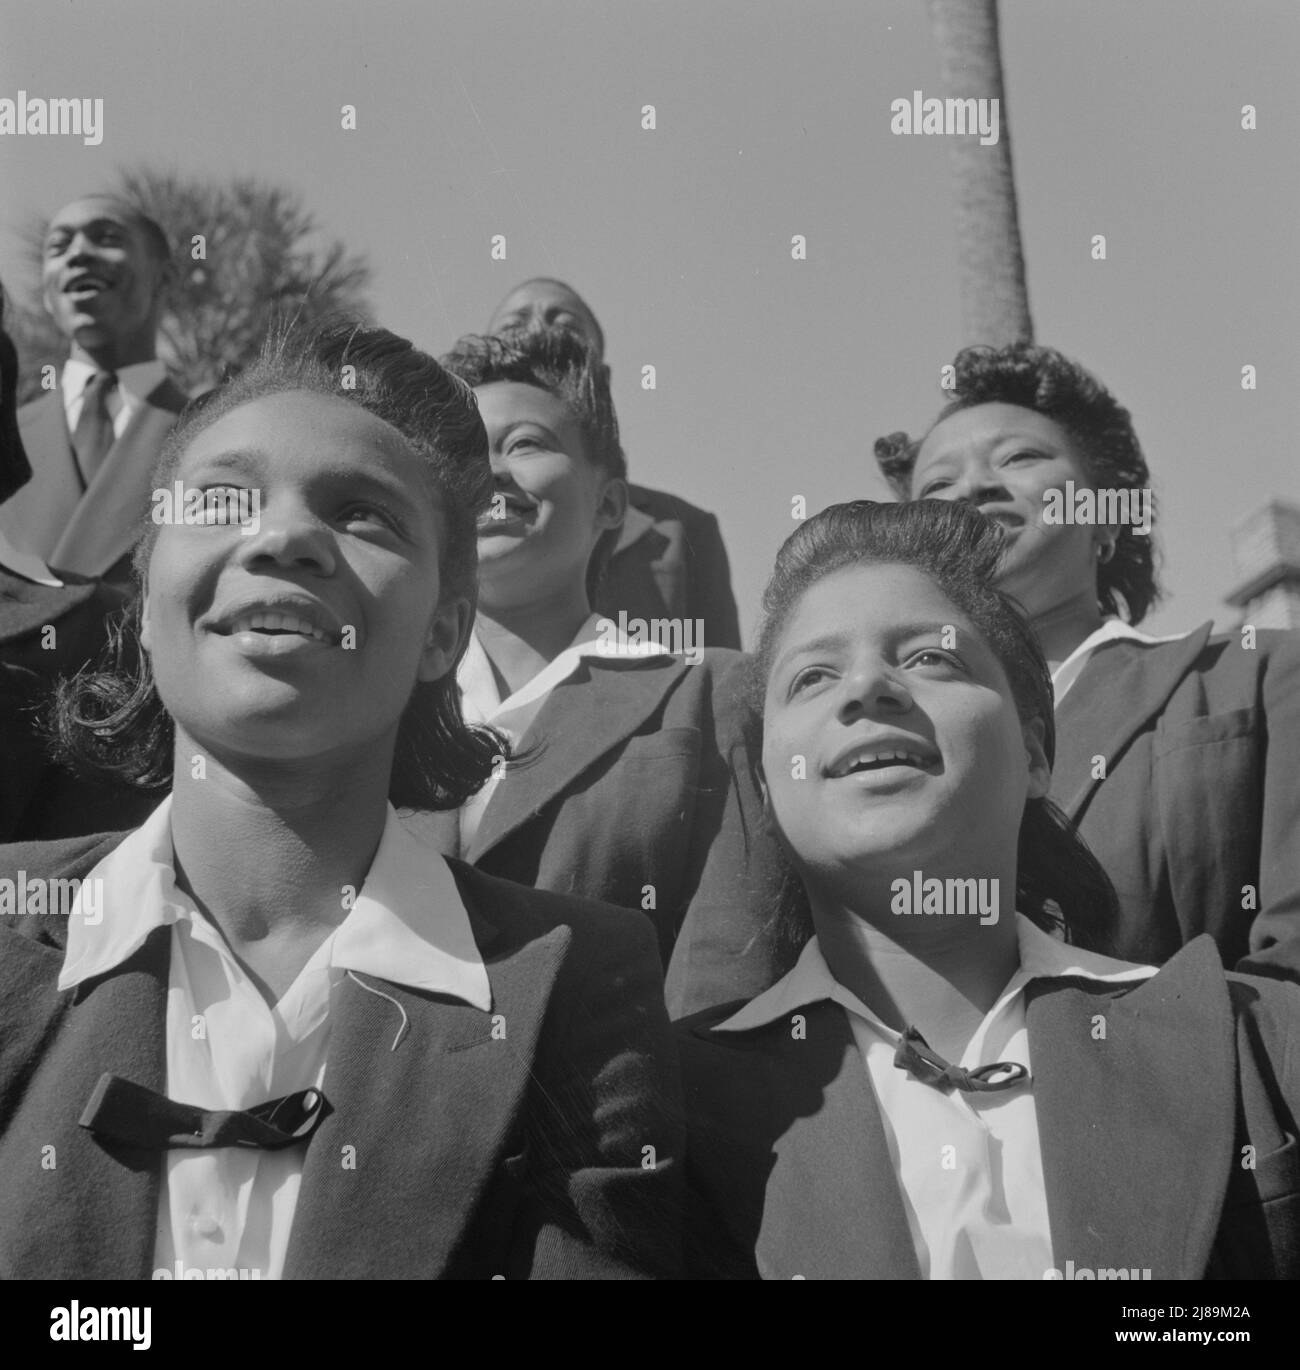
x=273 y=624
x=515 y=511
x=879 y=759
x=87 y=285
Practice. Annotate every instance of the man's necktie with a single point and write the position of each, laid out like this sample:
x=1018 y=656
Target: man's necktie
x=94 y=435
x=915 y=1056
x=136 y=1116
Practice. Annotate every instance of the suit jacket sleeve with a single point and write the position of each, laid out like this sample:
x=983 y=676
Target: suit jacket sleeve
x=1275 y=932
x=603 y=1200
x=727 y=947
x=711 y=595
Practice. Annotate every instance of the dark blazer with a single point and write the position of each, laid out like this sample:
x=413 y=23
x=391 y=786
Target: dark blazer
x=640 y=778
x=670 y=562
x=526 y=1156
x=1142 y=1134
x=89 y=530
x=1201 y=796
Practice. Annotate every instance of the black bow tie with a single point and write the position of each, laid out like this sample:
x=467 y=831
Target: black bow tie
x=131 y=1114
x=915 y=1056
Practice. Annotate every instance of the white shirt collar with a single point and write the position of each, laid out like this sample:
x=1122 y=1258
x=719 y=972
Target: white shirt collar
x=408 y=925
x=598 y=636
x=135 y=382
x=1042 y=956
x=1111 y=630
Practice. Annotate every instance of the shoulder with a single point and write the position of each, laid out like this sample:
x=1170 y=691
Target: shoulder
x=663 y=508
x=167 y=395
x=23 y=864
x=595 y=933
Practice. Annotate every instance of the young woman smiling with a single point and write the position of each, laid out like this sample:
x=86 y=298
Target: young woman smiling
x=930 y=1094
x=1178 y=755
x=634 y=785
x=297 y=1043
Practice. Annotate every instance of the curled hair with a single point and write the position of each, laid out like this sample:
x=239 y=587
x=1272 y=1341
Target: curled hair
x=1049 y=383
x=1059 y=883
x=110 y=720
x=562 y=362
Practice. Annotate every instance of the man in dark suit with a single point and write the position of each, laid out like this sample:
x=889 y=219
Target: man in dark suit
x=93 y=440
x=49 y=626
x=669 y=561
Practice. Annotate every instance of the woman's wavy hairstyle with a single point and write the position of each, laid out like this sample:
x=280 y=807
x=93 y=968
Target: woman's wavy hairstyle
x=110 y=721
x=1059 y=883
x=1046 y=381
x=562 y=362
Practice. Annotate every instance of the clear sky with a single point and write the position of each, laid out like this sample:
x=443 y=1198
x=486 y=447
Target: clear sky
x=774 y=376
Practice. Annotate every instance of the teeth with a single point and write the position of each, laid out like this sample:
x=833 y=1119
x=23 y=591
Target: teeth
x=277 y=621
x=851 y=763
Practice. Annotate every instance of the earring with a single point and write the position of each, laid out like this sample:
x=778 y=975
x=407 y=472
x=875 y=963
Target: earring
x=1105 y=551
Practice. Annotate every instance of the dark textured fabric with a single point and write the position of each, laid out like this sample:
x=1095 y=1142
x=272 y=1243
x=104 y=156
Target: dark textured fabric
x=88 y=530
x=1166 y=1115
x=539 y=1140
x=638 y=792
x=94 y=432
x=123 y=1112
x=671 y=563
x=1201 y=792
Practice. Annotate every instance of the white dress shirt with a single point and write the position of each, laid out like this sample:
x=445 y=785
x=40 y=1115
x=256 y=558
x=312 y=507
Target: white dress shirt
x=968 y=1164
x=481 y=700
x=134 y=383
x=227 y=1048
x=1111 y=630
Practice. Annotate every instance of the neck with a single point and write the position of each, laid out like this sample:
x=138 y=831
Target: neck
x=115 y=353
x=940 y=973
x=520 y=641
x=1062 y=627
x=267 y=851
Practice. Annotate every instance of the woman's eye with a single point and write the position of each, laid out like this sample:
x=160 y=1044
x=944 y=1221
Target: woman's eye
x=809 y=676
x=1022 y=456
x=363 y=512
x=932 y=656
x=525 y=444
x=932 y=487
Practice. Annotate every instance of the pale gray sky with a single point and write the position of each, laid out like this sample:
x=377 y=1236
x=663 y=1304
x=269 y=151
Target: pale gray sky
x=523 y=117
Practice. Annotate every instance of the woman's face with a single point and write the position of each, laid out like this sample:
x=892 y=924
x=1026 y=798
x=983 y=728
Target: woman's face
x=891 y=741
x=1004 y=460
x=301 y=636
x=551 y=502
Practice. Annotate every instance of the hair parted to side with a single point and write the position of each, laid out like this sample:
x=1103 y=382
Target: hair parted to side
x=563 y=363
x=1059 y=883
x=1048 y=382
x=109 y=721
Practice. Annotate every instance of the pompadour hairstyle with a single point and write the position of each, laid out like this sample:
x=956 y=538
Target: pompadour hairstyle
x=111 y=722
x=1059 y=883
x=1049 y=383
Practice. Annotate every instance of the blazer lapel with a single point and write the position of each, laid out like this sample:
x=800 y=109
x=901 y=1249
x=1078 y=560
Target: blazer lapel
x=36 y=514
x=420 y=1117
x=584 y=717
x=1136 y=1101
x=1096 y=721
x=71 y=1206
x=111 y=514
x=833 y=1209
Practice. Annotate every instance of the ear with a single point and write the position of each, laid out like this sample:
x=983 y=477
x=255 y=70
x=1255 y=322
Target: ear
x=1040 y=773
x=448 y=632
x=611 y=508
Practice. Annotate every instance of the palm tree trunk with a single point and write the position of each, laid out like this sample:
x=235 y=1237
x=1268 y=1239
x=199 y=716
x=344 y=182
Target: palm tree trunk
x=994 y=295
